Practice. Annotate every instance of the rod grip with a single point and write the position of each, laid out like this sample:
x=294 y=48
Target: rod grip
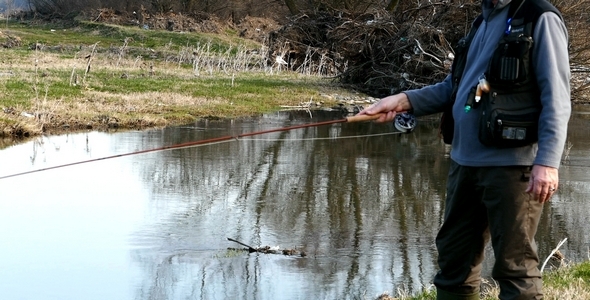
x=362 y=118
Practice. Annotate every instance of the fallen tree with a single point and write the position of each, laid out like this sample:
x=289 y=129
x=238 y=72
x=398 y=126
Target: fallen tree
x=378 y=53
x=381 y=53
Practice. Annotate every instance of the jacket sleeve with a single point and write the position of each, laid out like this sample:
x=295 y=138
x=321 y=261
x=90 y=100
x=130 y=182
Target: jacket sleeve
x=430 y=99
x=552 y=69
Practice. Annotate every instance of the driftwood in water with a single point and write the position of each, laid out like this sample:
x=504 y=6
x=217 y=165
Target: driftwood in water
x=267 y=249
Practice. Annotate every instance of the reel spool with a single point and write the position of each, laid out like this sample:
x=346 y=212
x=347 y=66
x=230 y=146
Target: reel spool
x=404 y=122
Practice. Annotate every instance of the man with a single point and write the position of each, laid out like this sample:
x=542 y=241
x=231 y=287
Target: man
x=492 y=191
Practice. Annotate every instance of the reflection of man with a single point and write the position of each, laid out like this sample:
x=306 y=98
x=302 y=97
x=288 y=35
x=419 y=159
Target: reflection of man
x=492 y=191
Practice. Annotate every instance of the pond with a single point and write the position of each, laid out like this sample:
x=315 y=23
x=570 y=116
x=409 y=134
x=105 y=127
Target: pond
x=362 y=202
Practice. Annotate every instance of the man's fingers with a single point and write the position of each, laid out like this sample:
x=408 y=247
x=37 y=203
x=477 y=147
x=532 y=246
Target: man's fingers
x=529 y=187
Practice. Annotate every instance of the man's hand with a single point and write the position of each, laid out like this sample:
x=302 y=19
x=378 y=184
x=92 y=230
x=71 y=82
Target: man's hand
x=388 y=106
x=543 y=183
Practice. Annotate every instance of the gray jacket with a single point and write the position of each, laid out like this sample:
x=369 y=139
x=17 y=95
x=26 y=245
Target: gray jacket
x=552 y=71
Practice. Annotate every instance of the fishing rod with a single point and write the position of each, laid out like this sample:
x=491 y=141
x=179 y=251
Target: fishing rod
x=403 y=122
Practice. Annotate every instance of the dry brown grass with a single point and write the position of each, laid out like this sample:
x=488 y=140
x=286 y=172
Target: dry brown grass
x=565 y=281
x=99 y=90
x=98 y=86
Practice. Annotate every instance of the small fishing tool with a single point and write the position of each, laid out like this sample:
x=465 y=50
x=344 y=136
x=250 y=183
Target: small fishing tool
x=403 y=122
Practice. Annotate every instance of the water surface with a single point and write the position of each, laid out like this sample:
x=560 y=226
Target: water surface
x=363 y=203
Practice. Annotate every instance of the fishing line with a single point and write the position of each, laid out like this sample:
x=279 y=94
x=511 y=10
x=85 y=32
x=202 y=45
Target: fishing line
x=401 y=118
x=320 y=139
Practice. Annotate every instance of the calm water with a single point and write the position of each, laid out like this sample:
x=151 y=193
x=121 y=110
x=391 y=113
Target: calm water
x=364 y=204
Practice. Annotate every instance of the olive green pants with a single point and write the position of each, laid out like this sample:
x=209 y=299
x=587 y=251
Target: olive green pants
x=484 y=203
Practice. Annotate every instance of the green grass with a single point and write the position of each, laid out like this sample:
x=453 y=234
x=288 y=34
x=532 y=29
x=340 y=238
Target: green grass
x=564 y=278
x=108 y=35
x=571 y=282
x=81 y=71
x=583 y=271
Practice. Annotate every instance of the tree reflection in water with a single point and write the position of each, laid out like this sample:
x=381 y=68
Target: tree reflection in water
x=365 y=209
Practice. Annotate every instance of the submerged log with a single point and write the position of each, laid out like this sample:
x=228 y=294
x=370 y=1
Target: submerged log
x=267 y=249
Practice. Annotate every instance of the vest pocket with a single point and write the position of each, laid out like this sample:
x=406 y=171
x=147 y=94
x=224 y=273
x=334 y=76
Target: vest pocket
x=510 y=62
x=506 y=121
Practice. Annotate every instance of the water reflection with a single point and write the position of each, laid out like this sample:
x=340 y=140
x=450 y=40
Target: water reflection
x=365 y=209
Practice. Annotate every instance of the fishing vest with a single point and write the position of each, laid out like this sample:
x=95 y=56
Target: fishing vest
x=510 y=68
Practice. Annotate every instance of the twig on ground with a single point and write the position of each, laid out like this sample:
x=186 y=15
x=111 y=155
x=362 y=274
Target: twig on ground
x=552 y=253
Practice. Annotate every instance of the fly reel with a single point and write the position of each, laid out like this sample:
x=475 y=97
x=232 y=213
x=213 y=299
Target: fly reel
x=404 y=122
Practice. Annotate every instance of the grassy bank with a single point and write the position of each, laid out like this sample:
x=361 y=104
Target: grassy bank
x=571 y=282
x=96 y=76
